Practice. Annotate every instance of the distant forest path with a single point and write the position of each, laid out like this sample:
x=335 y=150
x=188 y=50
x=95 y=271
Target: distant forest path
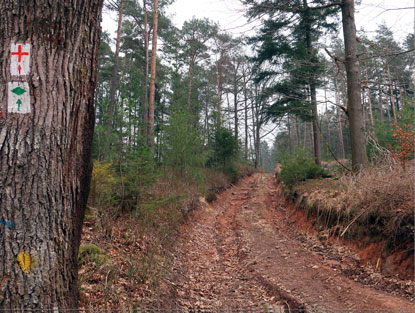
x=242 y=251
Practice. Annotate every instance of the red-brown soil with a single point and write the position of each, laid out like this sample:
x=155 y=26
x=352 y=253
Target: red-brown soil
x=245 y=251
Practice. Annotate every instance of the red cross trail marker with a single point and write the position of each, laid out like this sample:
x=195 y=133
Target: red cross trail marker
x=20 y=60
x=20 y=53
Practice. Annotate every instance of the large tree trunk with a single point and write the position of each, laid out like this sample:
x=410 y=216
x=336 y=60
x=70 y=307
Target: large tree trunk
x=111 y=104
x=45 y=154
x=355 y=109
x=150 y=134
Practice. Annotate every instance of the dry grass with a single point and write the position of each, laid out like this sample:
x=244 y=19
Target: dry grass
x=373 y=209
x=388 y=190
x=377 y=203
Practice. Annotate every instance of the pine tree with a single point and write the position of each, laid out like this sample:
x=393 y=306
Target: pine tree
x=286 y=42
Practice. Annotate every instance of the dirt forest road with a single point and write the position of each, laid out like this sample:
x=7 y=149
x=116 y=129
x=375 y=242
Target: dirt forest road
x=241 y=252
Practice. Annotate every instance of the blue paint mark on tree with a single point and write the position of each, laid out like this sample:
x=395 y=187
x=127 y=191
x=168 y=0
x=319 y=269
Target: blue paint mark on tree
x=7 y=223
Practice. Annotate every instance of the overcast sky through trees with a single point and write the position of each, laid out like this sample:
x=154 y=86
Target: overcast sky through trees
x=399 y=16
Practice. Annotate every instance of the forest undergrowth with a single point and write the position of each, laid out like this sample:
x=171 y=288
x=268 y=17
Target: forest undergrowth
x=127 y=243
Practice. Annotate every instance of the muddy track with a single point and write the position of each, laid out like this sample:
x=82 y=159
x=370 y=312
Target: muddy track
x=240 y=252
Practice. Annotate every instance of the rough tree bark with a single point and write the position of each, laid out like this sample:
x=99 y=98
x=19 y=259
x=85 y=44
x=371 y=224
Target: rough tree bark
x=355 y=108
x=150 y=140
x=45 y=155
x=111 y=104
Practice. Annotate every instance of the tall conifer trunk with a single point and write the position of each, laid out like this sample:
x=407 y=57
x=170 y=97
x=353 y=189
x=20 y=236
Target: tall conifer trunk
x=355 y=108
x=45 y=155
x=150 y=134
x=146 y=67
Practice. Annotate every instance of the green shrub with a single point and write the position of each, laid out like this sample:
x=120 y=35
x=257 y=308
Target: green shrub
x=232 y=173
x=93 y=253
x=183 y=143
x=139 y=172
x=225 y=152
x=104 y=186
x=299 y=167
x=225 y=148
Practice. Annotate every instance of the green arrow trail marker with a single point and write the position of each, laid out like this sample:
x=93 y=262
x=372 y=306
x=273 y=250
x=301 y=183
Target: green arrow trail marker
x=18 y=97
x=19 y=102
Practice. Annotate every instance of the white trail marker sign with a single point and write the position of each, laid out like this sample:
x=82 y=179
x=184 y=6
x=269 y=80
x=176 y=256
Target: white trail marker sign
x=18 y=89
x=20 y=61
x=18 y=98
